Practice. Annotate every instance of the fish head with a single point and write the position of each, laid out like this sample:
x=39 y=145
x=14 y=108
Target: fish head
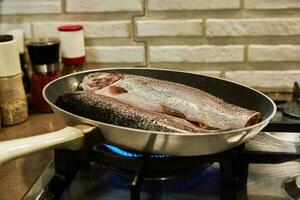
x=98 y=81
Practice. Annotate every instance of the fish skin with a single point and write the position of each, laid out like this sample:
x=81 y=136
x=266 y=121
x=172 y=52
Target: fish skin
x=110 y=110
x=196 y=105
x=136 y=100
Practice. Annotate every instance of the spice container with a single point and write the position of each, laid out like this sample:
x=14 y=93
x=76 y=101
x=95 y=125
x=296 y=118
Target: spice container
x=13 y=104
x=72 y=48
x=18 y=35
x=44 y=56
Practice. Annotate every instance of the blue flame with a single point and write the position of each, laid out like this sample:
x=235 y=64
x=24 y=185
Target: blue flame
x=127 y=154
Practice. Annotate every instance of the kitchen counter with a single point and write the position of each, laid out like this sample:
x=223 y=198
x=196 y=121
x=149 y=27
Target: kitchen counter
x=17 y=176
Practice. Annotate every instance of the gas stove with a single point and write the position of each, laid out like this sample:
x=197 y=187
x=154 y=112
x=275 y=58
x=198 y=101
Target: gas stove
x=266 y=167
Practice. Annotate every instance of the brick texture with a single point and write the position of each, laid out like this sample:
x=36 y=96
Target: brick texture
x=103 y=5
x=4 y=27
x=267 y=80
x=274 y=53
x=116 y=54
x=253 y=27
x=209 y=73
x=10 y=7
x=181 y=5
x=175 y=27
x=195 y=54
x=272 y=4
x=98 y=29
x=226 y=38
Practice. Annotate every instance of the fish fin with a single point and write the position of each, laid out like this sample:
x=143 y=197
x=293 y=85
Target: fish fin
x=117 y=90
x=206 y=127
x=255 y=118
x=172 y=112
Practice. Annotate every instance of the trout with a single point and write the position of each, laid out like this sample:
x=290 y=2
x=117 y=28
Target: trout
x=192 y=104
x=110 y=110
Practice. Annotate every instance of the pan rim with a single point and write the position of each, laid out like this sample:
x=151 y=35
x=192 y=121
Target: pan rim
x=260 y=124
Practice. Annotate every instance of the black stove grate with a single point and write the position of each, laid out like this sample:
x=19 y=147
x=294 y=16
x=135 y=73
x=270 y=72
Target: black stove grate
x=67 y=164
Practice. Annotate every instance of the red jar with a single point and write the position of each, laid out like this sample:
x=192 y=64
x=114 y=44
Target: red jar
x=39 y=81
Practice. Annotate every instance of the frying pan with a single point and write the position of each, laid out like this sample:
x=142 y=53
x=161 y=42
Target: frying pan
x=180 y=144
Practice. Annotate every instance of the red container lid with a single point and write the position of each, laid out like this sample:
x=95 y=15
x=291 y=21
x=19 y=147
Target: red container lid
x=71 y=27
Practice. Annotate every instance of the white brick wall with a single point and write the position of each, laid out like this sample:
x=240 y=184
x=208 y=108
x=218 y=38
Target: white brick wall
x=174 y=27
x=195 y=54
x=103 y=5
x=98 y=29
x=274 y=53
x=116 y=54
x=253 y=27
x=203 y=36
x=179 y=5
x=9 y=7
x=272 y=4
x=4 y=27
x=209 y=73
x=268 y=80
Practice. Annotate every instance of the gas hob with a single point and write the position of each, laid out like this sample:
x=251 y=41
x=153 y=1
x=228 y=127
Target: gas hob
x=266 y=167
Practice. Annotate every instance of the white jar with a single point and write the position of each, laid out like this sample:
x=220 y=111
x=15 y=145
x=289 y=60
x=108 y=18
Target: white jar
x=13 y=103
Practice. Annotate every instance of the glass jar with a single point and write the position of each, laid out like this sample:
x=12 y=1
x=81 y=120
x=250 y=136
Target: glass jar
x=13 y=101
x=44 y=57
x=38 y=82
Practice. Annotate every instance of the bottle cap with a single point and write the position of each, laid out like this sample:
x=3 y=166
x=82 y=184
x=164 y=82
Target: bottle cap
x=43 y=51
x=72 y=44
x=44 y=54
x=18 y=34
x=9 y=56
x=70 y=27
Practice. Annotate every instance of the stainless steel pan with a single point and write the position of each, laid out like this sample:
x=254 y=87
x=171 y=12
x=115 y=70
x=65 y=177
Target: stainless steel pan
x=179 y=144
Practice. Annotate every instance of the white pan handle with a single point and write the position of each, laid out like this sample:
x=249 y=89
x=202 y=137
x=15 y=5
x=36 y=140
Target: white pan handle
x=69 y=138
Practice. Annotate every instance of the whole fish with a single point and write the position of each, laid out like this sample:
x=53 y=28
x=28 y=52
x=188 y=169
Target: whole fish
x=110 y=110
x=204 y=109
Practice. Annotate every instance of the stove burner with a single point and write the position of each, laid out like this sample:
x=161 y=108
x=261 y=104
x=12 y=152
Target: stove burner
x=292 y=108
x=127 y=154
x=204 y=177
x=291 y=187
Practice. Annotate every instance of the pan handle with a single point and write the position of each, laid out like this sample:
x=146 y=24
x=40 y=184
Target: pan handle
x=68 y=138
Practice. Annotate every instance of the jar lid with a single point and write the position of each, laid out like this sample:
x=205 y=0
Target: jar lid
x=9 y=56
x=70 y=27
x=43 y=51
x=6 y=38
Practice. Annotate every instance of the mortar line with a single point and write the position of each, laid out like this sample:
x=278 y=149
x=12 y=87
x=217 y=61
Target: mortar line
x=246 y=48
x=242 y=5
x=134 y=32
x=63 y=6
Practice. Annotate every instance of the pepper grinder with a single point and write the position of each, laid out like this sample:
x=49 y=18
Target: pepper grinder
x=44 y=57
x=13 y=103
